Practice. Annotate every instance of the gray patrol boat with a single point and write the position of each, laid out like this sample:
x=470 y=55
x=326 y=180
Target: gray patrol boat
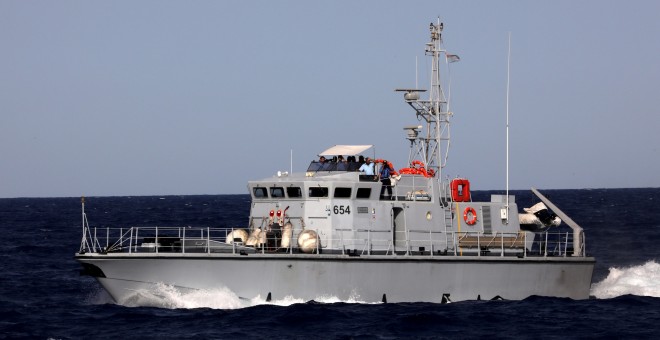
x=332 y=231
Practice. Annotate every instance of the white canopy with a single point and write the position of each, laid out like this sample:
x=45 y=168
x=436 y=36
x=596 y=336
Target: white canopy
x=347 y=150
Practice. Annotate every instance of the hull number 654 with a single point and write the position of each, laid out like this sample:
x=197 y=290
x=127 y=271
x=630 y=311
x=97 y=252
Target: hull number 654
x=341 y=209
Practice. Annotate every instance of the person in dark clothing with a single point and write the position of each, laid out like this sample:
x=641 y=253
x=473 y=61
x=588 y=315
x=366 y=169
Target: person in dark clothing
x=384 y=175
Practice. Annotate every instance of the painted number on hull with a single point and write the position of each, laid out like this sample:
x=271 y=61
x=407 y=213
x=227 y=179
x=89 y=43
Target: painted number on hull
x=341 y=209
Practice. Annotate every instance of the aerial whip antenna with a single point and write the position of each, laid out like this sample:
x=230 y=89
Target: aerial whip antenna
x=416 y=75
x=505 y=214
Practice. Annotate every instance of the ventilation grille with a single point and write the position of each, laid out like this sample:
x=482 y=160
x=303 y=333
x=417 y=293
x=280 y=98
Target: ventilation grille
x=488 y=228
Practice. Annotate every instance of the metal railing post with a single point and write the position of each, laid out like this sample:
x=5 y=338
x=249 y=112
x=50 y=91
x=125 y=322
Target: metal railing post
x=431 y=242
x=233 y=244
x=130 y=242
x=183 y=241
x=408 y=240
x=502 y=244
x=94 y=241
x=341 y=240
x=479 y=244
x=369 y=242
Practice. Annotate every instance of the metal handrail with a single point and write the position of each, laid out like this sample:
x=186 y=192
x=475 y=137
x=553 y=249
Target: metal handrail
x=432 y=243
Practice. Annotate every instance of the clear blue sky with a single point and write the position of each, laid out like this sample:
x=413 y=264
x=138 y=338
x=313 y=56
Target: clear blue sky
x=198 y=97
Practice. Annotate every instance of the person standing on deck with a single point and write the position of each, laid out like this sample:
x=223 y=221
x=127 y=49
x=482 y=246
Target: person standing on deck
x=342 y=165
x=385 y=180
x=367 y=167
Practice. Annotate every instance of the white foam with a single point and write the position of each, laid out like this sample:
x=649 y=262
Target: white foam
x=643 y=280
x=166 y=296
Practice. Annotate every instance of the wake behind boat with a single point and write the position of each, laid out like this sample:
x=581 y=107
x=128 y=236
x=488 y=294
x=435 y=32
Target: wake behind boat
x=339 y=229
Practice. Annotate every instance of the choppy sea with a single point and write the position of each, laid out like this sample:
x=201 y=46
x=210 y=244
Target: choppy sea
x=43 y=296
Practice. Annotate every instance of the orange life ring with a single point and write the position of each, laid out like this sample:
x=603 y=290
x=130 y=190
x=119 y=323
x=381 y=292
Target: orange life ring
x=415 y=162
x=470 y=220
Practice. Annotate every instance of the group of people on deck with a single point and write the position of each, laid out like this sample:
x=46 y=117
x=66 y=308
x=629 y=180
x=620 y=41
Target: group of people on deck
x=368 y=167
x=339 y=163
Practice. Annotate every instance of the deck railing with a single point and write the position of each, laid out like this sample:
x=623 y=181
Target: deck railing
x=359 y=242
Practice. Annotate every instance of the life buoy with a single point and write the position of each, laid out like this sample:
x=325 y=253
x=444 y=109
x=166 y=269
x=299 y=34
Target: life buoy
x=421 y=165
x=470 y=220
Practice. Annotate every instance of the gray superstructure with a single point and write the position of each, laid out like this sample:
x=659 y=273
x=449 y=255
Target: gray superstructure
x=328 y=231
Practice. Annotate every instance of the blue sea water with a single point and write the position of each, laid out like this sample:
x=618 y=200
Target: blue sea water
x=43 y=296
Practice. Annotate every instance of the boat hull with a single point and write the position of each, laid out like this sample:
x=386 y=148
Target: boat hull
x=362 y=278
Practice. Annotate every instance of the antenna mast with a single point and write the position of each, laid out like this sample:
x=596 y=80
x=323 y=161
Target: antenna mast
x=432 y=145
x=505 y=213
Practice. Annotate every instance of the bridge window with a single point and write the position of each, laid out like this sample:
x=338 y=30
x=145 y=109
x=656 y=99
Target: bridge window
x=276 y=192
x=342 y=192
x=363 y=193
x=260 y=192
x=318 y=192
x=293 y=192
